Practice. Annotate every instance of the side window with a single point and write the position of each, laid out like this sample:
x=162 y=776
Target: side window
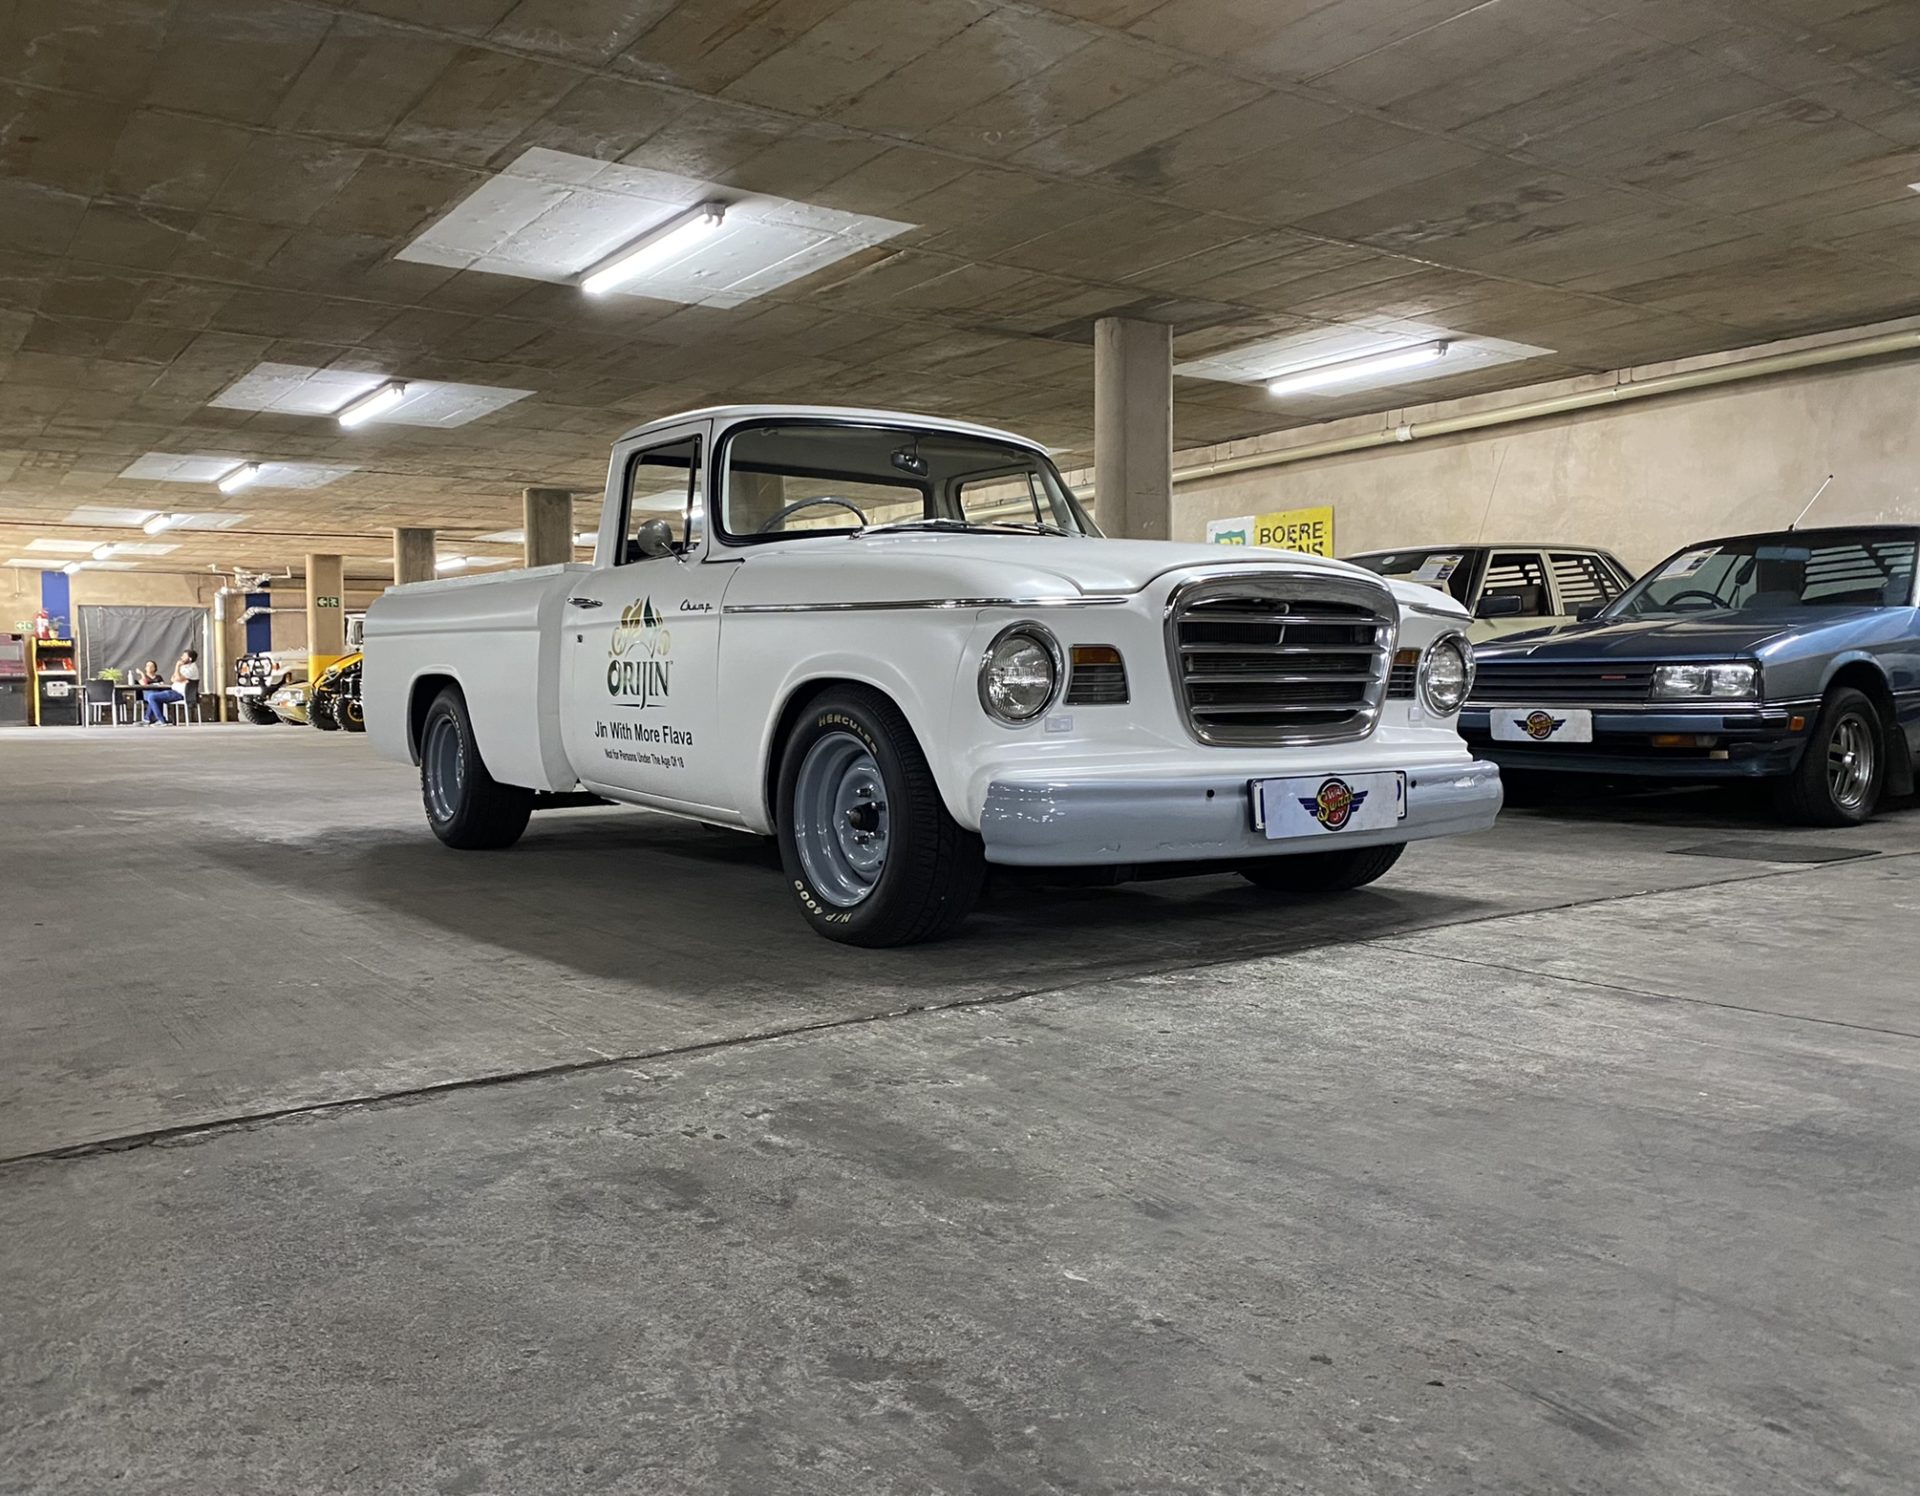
x=660 y=481
x=1581 y=579
x=1518 y=574
x=1007 y=496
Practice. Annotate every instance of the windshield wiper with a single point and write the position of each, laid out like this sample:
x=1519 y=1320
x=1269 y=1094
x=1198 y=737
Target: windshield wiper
x=916 y=524
x=972 y=526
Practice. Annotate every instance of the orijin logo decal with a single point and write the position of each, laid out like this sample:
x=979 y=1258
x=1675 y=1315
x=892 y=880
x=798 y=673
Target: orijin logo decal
x=638 y=667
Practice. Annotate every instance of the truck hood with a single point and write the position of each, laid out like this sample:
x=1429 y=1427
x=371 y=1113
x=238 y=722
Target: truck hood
x=919 y=565
x=1700 y=636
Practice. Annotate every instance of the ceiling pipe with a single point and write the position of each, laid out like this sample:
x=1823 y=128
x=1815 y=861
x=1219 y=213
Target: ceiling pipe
x=1557 y=405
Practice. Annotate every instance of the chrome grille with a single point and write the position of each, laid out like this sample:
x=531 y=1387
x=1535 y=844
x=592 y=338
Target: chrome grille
x=1280 y=659
x=1541 y=683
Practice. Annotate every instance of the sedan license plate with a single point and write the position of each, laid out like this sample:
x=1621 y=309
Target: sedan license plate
x=1323 y=804
x=1541 y=724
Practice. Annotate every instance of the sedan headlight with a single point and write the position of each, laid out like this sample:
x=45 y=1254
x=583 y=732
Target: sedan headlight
x=1020 y=673
x=1446 y=674
x=1730 y=682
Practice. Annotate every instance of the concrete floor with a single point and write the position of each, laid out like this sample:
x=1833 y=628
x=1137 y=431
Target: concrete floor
x=335 y=1161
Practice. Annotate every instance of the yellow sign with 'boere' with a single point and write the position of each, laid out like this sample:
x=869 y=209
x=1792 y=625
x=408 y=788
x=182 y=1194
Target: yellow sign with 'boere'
x=1309 y=530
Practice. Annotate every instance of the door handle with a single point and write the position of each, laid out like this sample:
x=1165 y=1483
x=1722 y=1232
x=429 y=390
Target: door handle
x=585 y=602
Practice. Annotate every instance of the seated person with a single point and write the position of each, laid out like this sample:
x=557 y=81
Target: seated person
x=149 y=675
x=186 y=684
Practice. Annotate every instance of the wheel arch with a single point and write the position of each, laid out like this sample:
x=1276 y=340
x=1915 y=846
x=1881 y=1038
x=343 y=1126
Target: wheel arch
x=421 y=694
x=1865 y=674
x=793 y=706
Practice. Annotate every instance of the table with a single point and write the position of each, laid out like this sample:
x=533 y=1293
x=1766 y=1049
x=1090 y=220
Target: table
x=130 y=699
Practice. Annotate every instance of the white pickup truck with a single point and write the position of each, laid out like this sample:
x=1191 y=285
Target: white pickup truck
x=898 y=644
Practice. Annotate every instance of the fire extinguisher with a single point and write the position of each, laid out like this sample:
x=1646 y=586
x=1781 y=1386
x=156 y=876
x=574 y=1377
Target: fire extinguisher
x=42 y=625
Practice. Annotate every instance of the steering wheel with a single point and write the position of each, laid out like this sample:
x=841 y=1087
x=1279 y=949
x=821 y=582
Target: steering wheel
x=808 y=504
x=1712 y=599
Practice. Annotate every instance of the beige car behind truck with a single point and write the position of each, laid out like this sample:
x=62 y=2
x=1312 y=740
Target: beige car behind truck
x=1510 y=588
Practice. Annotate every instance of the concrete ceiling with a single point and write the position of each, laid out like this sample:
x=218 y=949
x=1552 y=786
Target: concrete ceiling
x=191 y=188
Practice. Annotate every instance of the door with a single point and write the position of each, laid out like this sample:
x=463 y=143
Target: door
x=641 y=638
x=1514 y=596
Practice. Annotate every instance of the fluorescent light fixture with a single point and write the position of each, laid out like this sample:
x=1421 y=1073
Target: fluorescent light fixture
x=358 y=412
x=673 y=238
x=586 y=537
x=239 y=478
x=160 y=522
x=451 y=563
x=102 y=552
x=72 y=566
x=1346 y=371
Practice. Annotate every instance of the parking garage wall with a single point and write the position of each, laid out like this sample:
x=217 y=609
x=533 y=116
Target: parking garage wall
x=1642 y=479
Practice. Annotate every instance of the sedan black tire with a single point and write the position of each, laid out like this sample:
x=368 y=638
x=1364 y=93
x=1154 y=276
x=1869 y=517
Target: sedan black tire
x=1323 y=872
x=1844 y=767
x=466 y=806
x=868 y=847
x=320 y=713
x=254 y=709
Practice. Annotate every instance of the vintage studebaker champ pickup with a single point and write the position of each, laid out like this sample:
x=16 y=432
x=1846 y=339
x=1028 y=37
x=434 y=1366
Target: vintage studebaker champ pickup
x=898 y=644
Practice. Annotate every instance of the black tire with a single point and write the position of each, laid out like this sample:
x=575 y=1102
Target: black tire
x=468 y=808
x=1323 y=872
x=254 y=709
x=320 y=713
x=1809 y=796
x=933 y=869
x=347 y=715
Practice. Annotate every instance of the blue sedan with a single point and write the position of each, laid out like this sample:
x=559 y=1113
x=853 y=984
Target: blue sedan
x=1791 y=656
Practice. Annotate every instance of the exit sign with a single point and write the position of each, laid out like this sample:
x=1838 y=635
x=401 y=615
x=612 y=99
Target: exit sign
x=326 y=602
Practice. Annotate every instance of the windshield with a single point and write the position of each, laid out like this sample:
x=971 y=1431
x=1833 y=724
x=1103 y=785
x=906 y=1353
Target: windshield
x=1438 y=567
x=817 y=477
x=1770 y=573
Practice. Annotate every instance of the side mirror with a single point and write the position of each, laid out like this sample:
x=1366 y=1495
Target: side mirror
x=1507 y=606
x=651 y=538
x=1590 y=610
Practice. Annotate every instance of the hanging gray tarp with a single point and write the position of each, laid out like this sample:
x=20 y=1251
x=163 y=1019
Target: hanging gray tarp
x=125 y=638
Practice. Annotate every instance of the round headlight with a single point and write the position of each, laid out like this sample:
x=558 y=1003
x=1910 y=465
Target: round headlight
x=1446 y=674
x=1020 y=673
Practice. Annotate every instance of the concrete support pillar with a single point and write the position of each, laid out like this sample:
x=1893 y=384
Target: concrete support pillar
x=1133 y=428
x=413 y=556
x=549 y=525
x=326 y=614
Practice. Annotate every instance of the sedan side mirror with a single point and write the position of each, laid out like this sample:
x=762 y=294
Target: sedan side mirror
x=1507 y=606
x=1590 y=610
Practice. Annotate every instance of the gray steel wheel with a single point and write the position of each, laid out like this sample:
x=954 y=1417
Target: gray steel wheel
x=444 y=768
x=1852 y=758
x=840 y=820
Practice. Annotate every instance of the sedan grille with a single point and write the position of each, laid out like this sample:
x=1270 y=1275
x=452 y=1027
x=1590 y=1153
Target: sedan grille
x=1530 y=683
x=1281 y=659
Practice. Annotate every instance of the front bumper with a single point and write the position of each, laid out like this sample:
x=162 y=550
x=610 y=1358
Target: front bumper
x=1750 y=742
x=1204 y=818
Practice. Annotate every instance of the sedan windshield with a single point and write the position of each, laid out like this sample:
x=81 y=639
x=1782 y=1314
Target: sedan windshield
x=1772 y=573
x=780 y=482
x=1448 y=569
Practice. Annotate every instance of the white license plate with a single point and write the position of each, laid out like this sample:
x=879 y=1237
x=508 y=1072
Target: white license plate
x=1326 y=804
x=244 y=690
x=1541 y=724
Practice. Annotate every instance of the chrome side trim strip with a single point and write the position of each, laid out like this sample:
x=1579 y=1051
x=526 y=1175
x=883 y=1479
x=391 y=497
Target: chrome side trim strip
x=1095 y=600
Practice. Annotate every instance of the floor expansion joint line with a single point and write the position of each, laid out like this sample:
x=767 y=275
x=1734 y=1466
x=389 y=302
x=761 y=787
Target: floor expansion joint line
x=187 y=1132
x=1643 y=992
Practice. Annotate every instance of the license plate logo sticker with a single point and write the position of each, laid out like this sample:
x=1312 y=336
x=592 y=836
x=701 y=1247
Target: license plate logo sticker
x=1334 y=803
x=1520 y=724
x=1328 y=804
